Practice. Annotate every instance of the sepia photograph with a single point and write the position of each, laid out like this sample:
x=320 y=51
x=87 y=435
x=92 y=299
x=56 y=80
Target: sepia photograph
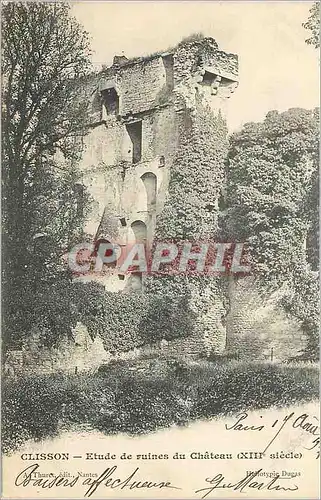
x=160 y=249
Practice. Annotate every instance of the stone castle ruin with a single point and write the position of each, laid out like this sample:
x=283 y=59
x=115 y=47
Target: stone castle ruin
x=140 y=111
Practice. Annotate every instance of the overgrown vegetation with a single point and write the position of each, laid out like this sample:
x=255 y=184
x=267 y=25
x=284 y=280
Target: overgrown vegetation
x=129 y=320
x=313 y=25
x=189 y=214
x=44 y=117
x=116 y=317
x=163 y=392
x=193 y=37
x=271 y=204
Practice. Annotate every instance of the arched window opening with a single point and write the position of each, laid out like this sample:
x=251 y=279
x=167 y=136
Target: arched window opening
x=110 y=100
x=108 y=253
x=140 y=231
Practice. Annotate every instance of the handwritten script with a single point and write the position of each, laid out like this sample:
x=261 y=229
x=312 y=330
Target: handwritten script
x=109 y=478
x=304 y=422
x=249 y=481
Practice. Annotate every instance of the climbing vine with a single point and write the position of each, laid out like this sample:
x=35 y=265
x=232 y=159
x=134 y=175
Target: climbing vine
x=197 y=177
x=116 y=317
x=190 y=214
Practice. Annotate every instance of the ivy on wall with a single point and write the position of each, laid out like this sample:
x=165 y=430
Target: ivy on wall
x=176 y=302
x=116 y=317
x=197 y=177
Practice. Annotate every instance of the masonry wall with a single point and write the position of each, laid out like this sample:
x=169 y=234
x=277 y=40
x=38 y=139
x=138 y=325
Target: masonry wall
x=113 y=181
x=257 y=326
x=149 y=77
x=161 y=92
x=80 y=353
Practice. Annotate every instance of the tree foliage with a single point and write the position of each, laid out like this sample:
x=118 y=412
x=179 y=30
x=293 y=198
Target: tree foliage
x=44 y=116
x=270 y=170
x=190 y=213
x=313 y=25
x=272 y=202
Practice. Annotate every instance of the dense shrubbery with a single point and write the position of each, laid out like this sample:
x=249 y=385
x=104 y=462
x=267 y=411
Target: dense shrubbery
x=272 y=205
x=169 y=314
x=116 y=317
x=120 y=399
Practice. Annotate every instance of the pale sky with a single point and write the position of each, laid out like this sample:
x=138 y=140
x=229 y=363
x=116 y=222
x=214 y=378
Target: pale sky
x=277 y=69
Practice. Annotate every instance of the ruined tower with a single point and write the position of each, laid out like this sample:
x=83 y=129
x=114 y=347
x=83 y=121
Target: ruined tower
x=138 y=115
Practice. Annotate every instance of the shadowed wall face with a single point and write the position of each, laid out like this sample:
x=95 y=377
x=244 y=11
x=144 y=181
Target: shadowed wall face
x=257 y=326
x=150 y=183
x=134 y=131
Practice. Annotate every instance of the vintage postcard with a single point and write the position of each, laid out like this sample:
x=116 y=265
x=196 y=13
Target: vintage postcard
x=160 y=250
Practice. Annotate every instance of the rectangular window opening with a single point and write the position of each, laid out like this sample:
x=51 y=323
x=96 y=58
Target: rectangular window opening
x=134 y=131
x=208 y=78
x=110 y=101
x=162 y=161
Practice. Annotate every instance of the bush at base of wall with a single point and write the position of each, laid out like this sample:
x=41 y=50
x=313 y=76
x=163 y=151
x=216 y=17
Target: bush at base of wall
x=116 y=317
x=36 y=407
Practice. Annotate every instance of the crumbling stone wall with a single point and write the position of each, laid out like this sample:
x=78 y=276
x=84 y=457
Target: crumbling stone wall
x=191 y=63
x=166 y=93
x=257 y=326
x=149 y=77
x=81 y=353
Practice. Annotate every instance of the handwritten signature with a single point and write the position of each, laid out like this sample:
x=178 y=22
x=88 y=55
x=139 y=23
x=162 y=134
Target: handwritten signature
x=107 y=478
x=219 y=482
x=304 y=422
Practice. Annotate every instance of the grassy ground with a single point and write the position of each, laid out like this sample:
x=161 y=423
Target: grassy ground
x=143 y=396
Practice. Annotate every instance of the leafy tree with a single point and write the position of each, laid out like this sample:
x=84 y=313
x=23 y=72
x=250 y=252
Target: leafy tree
x=272 y=202
x=44 y=116
x=313 y=25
